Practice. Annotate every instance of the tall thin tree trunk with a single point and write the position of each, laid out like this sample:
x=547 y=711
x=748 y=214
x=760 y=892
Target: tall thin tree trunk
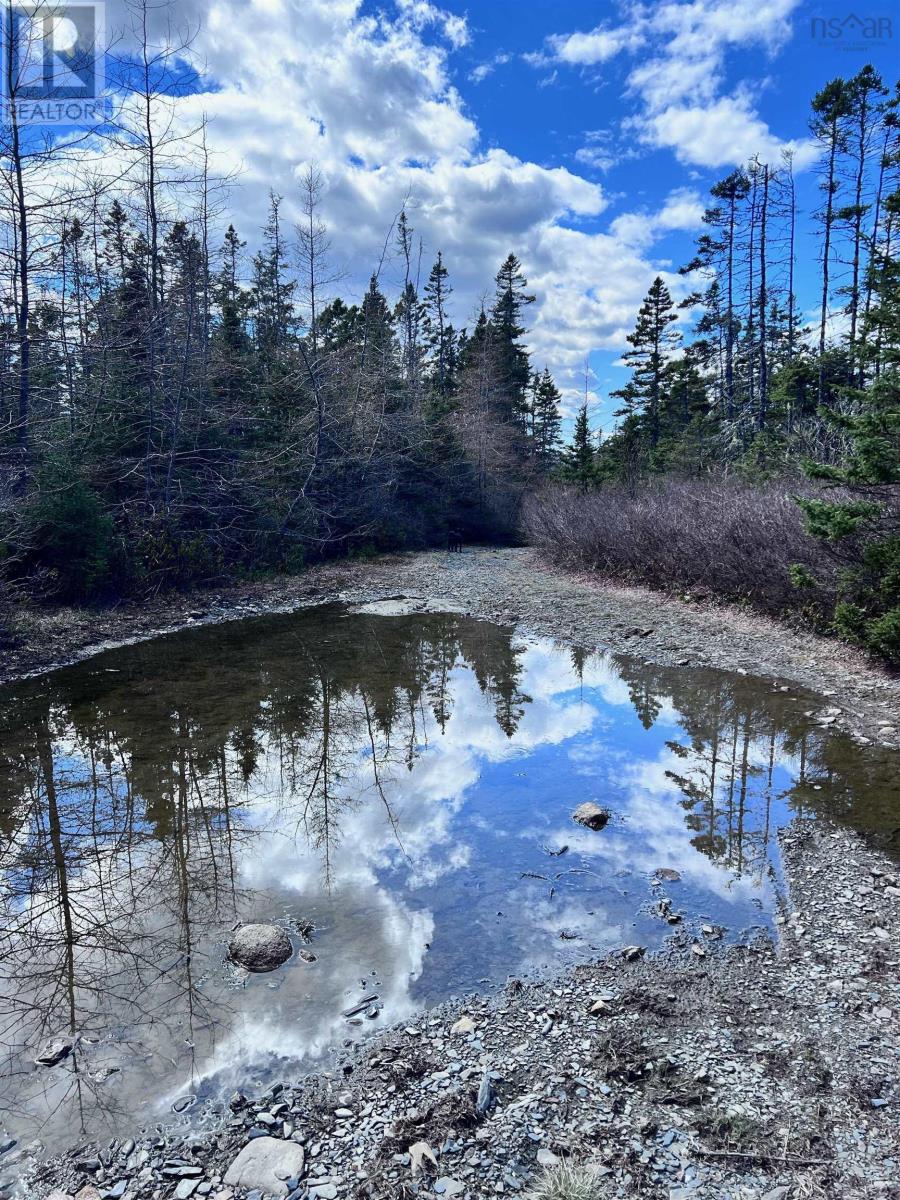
x=763 y=302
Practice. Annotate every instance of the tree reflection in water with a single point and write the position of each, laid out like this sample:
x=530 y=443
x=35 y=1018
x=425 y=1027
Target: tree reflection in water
x=392 y=777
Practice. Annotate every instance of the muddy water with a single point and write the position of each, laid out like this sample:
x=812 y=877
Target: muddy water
x=402 y=783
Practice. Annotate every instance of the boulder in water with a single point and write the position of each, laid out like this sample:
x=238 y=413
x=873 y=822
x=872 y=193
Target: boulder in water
x=55 y=1051
x=590 y=815
x=260 y=947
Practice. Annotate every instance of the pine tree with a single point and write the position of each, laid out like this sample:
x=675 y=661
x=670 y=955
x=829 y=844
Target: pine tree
x=439 y=335
x=652 y=342
x=865 y=530
x=546 y=422
x=830 y=107
x=273 y=291
x=511 y=299
x=579 y=464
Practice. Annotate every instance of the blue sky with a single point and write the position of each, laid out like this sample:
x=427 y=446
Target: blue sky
x=583 y=136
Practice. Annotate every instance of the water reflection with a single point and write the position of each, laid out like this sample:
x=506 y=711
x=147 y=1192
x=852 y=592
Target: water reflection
x=400 y=782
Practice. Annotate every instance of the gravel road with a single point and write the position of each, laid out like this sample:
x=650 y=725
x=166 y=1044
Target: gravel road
x=512 y=586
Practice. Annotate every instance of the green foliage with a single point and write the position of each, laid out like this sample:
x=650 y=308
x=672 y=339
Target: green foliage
x=75 y=543
x=862 y=526
x=837 y=520
x=176 y=558
x=579 y=463
x=801 y=577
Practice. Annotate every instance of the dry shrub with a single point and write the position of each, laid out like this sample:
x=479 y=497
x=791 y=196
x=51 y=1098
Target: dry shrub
x=714 y=535
x=567 y=1182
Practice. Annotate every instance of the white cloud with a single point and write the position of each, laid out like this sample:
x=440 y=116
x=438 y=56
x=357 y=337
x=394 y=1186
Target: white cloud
x=597 y=46
x=420 y=14
x=597 y=152
x=480 y=73
x=370 y=99
x=722 y=132
x=683 y=209
x=679 y=81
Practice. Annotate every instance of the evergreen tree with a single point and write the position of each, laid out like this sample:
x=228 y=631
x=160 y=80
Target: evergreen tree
x=652 y=342
x=579 y=464
x=272 y=289
x=439 y=335
x=830 y=107
x=546 y=422
x=507 y=316
x=864 y=529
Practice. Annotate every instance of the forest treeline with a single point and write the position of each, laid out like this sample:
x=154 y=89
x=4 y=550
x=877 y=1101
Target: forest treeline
x=175 y=408
x=760 y=457
x=177 y=423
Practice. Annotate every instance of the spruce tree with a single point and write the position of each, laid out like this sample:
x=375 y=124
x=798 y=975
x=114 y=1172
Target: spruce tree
x=652 y=342
x=546 y=422
x=439 y=335
x=579 y=464
x=863 y=525
x=510 y=300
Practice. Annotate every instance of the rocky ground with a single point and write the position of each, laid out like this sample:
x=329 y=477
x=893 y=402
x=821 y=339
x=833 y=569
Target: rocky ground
x=768 y=1071
x=754 y=1073
x=510 y=585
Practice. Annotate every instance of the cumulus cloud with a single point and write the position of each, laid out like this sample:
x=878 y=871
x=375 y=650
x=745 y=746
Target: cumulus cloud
x=678 y=82
x=370 y=98
x=597 y=46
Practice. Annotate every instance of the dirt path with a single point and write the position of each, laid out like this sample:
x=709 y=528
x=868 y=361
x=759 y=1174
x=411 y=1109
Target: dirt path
x=512 y=586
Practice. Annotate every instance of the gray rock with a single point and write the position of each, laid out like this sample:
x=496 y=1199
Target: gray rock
x=591 y=815
x=322 y=1191
x=55 y=1051
x=266 y=1163
x=445 y=1186
x=260 y=947
x=485 y=1101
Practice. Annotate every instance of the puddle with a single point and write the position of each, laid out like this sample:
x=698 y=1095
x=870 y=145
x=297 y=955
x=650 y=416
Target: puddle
x=403 y=782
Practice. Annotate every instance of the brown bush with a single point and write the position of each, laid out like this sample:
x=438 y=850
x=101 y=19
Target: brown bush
x=713 y=535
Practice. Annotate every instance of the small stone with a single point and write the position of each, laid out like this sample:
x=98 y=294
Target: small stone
x=447 y=1186
x=546 y=1158
x=55 y=1051
x=465 y=1024
x=418 y=1152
